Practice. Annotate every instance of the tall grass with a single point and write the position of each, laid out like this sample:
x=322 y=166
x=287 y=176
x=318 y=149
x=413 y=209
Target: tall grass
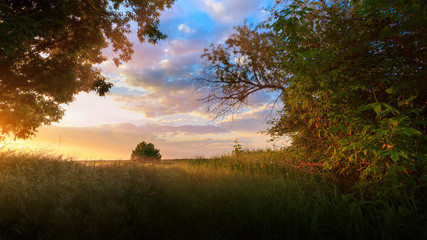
x=260 y=195
x=47 y=197
x=255 y=195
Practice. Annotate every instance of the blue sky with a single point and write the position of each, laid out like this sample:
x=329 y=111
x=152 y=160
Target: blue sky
x=155 y=99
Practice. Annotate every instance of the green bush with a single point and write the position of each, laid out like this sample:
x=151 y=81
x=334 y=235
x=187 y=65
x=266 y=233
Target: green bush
x=356 y=92
x=145 y=152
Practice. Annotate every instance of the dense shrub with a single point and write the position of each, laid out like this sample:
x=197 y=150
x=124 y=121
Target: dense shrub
x=356 y=91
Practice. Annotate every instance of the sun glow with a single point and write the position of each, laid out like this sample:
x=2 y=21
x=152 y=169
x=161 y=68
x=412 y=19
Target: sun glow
x=11 y=144
x=66 y=150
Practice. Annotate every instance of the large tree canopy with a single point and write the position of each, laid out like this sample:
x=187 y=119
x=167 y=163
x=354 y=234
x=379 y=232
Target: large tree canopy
x=48 y=49
x=353 y=83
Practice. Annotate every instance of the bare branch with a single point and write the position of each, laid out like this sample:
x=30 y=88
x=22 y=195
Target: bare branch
x=247 y=63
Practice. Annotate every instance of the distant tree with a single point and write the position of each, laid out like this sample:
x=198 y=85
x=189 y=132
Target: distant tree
x=145 y=152
x=48 y=49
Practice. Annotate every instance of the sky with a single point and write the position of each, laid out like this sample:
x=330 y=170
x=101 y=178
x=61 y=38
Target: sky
x=155 y=98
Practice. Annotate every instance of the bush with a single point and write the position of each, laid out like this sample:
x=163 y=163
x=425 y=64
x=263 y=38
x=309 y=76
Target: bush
x=145 y=152
x=356 y=92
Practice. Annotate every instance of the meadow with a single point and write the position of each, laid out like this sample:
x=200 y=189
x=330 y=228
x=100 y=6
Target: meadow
x=253 y=195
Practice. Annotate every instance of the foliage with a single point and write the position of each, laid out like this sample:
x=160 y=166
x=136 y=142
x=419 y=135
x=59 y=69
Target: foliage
x=237 y=147
x=48 y=49
x=352 y=81
x=356 y=99
x=145 y=151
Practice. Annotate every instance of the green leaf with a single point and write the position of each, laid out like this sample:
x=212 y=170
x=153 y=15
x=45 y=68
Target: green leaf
x=390 y=108
x=394 y=156
x=390 y=90
x=403 y=154
x=377 y=109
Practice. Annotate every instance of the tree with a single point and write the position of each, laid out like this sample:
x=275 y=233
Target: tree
x=145 y=152
x=246 y=64
x=353 y=87
x=48 y=49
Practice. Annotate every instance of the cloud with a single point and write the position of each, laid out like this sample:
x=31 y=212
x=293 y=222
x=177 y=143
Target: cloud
x=185 y=29
x=215 y=7
x=166 y=94
x=166 y=87
x=183 y=56
x=89 y=109
x=253 y=120
x=181 y=47
x=161 y=128
x=161 y=103
x=231 y=11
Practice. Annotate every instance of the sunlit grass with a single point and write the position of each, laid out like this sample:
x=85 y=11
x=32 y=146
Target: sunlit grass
x=43 y=196
x=255 y=195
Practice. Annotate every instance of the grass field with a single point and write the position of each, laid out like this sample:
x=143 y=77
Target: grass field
x=256 y=195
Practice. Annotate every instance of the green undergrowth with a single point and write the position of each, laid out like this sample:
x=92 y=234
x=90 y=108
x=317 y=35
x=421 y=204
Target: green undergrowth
x=254 y=195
